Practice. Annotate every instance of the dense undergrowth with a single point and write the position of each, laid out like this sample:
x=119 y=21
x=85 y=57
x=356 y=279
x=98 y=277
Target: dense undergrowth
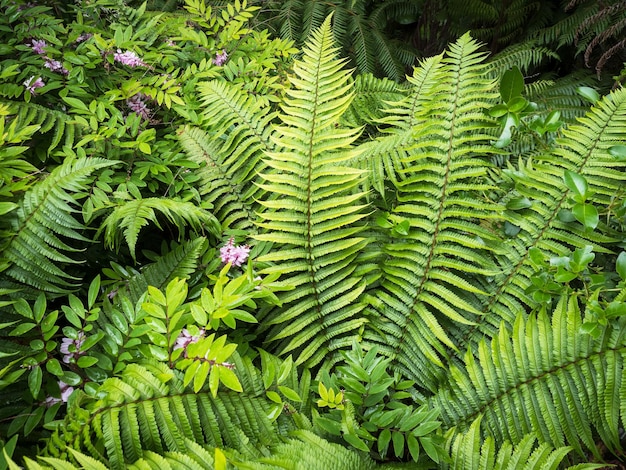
x=220 y=250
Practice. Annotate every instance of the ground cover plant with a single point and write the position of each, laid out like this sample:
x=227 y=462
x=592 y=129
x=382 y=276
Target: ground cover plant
x=220 y=251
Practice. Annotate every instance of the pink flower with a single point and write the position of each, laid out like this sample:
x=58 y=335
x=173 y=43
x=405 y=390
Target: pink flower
x=235 y=255
x=128 y=58
x=83 y=37
x=220 y=58
x=66 y=391
x=37 y=45
x=185 y=338
x=55 y=66
x=137 y=104
x=70 y=348
x=32 y=86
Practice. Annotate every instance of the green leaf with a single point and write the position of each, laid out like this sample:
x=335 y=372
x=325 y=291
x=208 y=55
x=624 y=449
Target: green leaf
x=35 y=378
x=229 y=379
x=618 y=151
x=414 y=447
x=518 y=203
x=620 y=265
x=512 y=84
x=588 y=93
x=289 y=393
x=398 y=443
x=356 y=442
x=587 y=215
x=577 y=184
x=384 y=438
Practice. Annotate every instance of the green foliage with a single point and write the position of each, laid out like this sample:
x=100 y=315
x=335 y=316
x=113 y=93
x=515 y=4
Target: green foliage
x=313 y=215
x=419 y=275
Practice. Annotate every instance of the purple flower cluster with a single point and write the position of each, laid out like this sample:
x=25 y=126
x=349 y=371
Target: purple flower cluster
x=83 y=37
x=185 y=338
x=128 y=58
x=137 y=104
x=70 y=348
x=220 y=58
x=32 y=86
x=38 y=46
x=235 y=255
x=55 y=66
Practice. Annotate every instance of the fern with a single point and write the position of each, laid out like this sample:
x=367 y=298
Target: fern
x=230 y=148
x=428 y=276
x=584 y=149
x=41 y=228
x=129 y=217
x=469 y=452
x=546 y=376
x=314 y=221
x=148 y=409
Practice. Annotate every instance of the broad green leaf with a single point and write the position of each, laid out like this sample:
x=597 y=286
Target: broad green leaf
x=577 y=184
x=229 y=379
x=512 y=84
x=587 y=215
x=589 y=94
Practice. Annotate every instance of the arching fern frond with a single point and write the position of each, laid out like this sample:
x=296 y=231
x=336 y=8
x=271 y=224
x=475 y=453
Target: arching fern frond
x=235 y=133
x=40 y=231
x=545 y=376
x=129 y=217
x=386 y=155
x=148 y=409
x=469 y=452
x=180 y=262
x=429 y=278
x=313 y=220
x=583 y=149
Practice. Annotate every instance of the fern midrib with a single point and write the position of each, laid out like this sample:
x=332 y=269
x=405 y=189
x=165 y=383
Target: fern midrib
x=442 y=198
x=535 y=241
x=555 y=370
x=309 y=202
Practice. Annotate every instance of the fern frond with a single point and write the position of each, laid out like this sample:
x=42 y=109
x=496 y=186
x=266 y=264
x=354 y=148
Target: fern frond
x=148 y=409
x=43 y=227
x=129 y=217
x=65 y=132
x=547 y=377
x=306 y=450
x=314 y=218
x=386 y=155
x=180 y=262
x=229 y=148
x=469 y=452
x=429 y=276
x=583 y=149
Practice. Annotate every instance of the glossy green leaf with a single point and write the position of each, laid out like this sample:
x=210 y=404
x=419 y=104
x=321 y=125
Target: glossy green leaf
x=511 y=84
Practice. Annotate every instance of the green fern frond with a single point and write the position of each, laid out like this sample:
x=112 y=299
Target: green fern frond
x=306 y=450
x=65 y=132
x=370 y=95
x=147 y=409
x=314 y=219
x=469 y=452
x=525 y=55
x=43 y=227
x=430 y=276
x=229 y=148
x=180 y=262
x=545 y=376
x=582 y=149
x=129 y=217
x=386 y=155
